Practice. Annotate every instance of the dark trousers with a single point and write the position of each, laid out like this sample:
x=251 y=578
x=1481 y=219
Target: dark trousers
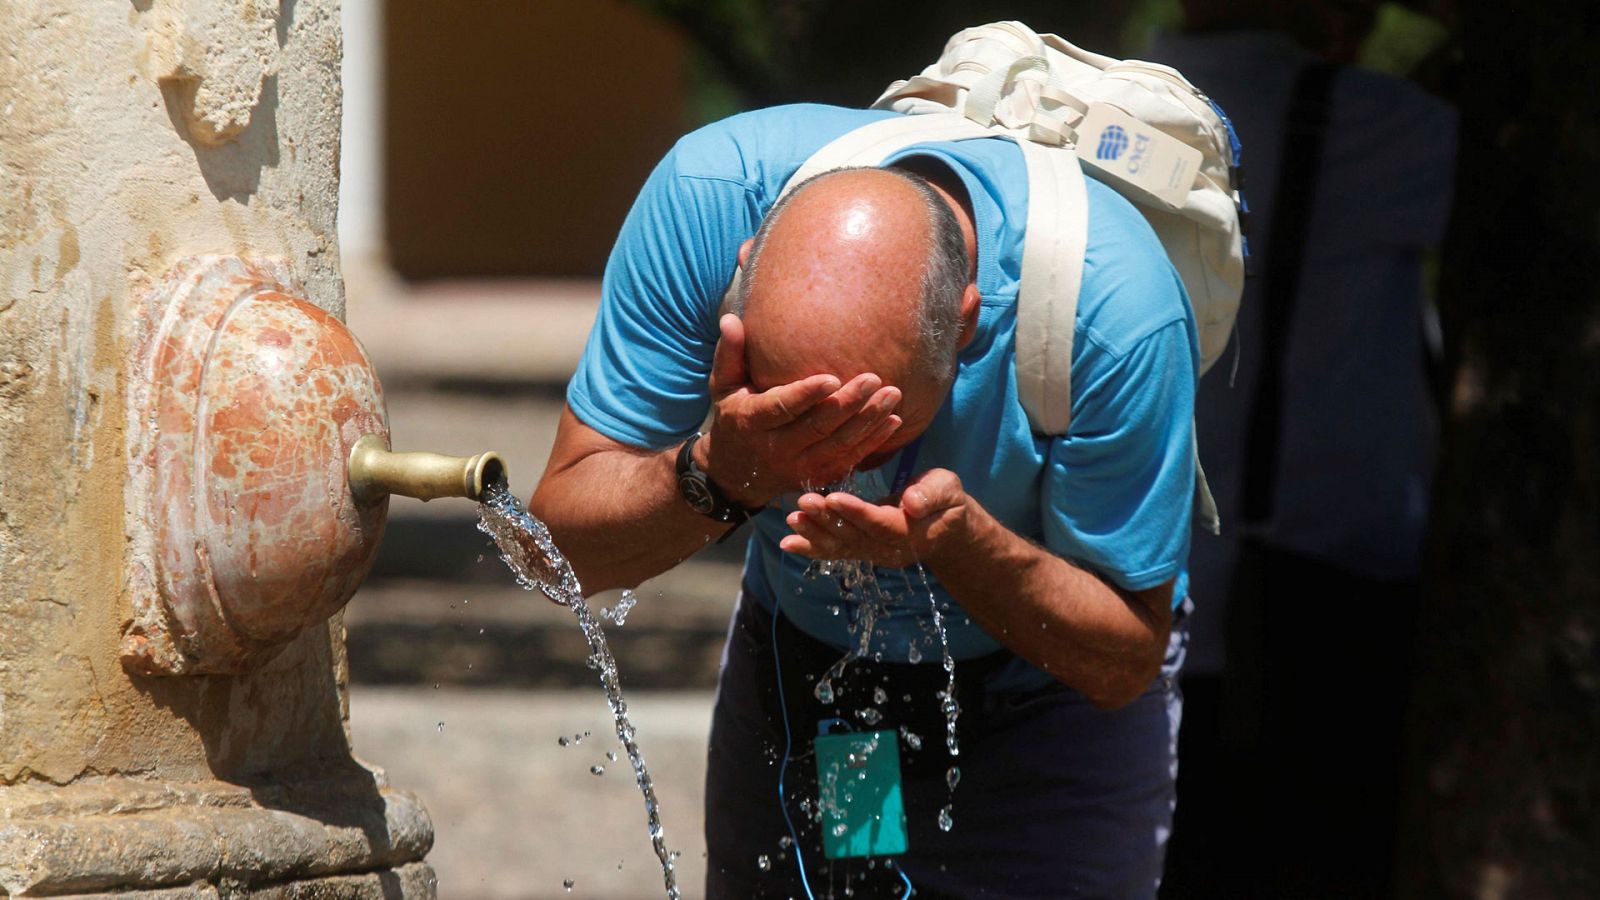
x=1291 y=759
x=1055 y=799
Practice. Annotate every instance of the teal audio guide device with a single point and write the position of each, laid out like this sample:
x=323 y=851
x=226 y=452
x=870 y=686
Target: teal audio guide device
x=858 y=791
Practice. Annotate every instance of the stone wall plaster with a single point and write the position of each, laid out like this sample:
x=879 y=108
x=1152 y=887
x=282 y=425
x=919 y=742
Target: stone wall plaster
x=132 y=134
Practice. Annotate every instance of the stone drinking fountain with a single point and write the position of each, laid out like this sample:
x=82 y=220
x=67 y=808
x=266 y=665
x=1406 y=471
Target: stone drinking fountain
x=194 y=463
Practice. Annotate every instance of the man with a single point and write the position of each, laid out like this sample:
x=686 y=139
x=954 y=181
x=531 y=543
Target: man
x=874 y=333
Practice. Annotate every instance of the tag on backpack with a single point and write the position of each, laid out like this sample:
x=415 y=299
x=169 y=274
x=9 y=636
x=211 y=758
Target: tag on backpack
x=1156 y=166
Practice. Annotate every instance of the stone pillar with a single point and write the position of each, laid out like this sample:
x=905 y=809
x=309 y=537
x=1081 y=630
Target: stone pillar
x=136 y=135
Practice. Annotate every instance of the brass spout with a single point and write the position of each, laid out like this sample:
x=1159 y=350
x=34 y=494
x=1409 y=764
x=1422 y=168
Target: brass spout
x=376 y=472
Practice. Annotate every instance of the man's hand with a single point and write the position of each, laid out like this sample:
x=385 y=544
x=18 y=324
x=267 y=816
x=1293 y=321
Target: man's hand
x=928 y=519
x=766 y=443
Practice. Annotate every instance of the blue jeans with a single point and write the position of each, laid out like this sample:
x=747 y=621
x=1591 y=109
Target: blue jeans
x=1055 y=799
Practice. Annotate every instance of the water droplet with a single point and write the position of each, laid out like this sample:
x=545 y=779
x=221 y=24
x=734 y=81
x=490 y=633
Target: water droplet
x=879 y=695
x=480 y=631
x=617 y=614
x=611 y=755
x=597 y=770
x=568 y=884
x=914 y=655
x=839 y=829
x=946 y=820
x=952 y=776
x=786 y=842
x=824 y=691
x=764 y=863
x=563 y=740
x=441 y=726
x=912 y=739
x=869 y=715
x=436 y=685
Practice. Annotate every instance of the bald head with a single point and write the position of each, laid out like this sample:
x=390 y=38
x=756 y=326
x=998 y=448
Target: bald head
x=857 y=270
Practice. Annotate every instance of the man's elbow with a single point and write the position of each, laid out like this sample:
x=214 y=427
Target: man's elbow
x=1128 y=681
x=1144 y=648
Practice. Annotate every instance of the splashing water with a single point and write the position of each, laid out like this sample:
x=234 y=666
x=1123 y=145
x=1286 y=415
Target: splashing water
x=947 y=697
x=616 y=614
x=527 y=548
x=912 y=739
x=857 y=579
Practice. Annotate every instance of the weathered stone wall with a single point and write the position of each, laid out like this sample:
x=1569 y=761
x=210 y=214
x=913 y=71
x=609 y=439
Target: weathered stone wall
x=131 y=134
x=134 y=133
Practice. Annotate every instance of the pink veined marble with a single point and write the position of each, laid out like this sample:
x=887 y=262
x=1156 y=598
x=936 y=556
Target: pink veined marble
x=244 y=403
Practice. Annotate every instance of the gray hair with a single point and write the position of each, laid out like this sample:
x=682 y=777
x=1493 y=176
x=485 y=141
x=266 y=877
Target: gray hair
x=944 y=279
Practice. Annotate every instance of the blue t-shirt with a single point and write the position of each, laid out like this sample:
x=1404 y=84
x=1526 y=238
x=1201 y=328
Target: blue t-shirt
x=1114 y=495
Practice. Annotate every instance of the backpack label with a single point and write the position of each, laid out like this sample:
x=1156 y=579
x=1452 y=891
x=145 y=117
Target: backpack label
x=1157 y=167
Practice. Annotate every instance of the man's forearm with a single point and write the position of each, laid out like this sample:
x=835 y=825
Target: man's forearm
x=1106 y=643
x=616 y=513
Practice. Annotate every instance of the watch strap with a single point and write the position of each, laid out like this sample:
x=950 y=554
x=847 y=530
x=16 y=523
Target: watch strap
x=702 y=494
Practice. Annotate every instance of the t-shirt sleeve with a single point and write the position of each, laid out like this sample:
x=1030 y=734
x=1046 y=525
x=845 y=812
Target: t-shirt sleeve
x=1119 y=487
x=642 y=380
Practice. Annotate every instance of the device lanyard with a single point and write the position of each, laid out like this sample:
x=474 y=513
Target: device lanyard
x=902 y=472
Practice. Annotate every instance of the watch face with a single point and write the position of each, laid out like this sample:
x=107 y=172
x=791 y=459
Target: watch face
x=694 y=490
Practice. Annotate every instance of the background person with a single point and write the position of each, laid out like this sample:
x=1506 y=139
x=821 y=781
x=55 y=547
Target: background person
x=1320 y=455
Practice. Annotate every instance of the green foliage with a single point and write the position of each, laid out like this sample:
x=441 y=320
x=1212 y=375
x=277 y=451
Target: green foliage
x=1146 y=19
x=1401 y=39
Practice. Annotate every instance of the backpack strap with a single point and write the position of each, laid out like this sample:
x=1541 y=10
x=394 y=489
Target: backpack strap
x=871 y=144
x=1052 y=273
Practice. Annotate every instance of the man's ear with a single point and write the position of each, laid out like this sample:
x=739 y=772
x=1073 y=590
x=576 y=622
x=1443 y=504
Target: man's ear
x=744 y=250
x=970 y=301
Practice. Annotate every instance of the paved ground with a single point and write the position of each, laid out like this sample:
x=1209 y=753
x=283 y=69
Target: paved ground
x=515 y=813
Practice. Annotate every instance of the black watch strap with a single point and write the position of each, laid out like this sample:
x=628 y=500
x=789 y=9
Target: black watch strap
x=702 y=494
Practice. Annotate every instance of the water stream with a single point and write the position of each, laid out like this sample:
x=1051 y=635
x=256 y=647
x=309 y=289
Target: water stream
x=527 y=548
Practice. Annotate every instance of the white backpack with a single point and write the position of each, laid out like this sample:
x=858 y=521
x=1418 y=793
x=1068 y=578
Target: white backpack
x=1139 y=127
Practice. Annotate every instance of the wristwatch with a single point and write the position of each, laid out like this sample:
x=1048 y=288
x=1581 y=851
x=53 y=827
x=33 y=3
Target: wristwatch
x=702 y=494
